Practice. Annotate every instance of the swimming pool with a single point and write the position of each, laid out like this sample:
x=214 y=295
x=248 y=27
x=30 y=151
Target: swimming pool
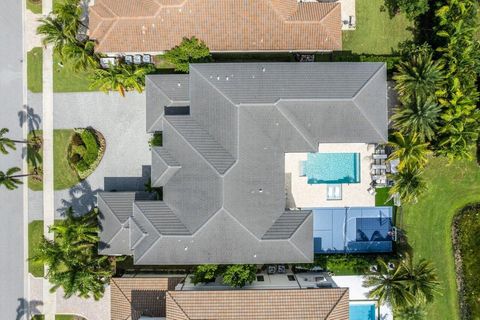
x=322 y=168
x=362 y=311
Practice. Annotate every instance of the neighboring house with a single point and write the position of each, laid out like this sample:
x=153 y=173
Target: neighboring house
x=155 y=26
x=146 y=298
x=227 y=129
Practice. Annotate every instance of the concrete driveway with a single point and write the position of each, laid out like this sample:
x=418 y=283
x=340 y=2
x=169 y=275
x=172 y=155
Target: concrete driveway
x=127 y=159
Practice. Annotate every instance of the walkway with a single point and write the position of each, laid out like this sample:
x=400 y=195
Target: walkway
x=87 y=308
x=14 y=300
x=49 y=308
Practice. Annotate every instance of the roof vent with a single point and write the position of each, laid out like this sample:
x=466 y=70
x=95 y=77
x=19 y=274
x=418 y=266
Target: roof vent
x=179 y=84
x=218 y=77
x=226 y=78
x=263 y=69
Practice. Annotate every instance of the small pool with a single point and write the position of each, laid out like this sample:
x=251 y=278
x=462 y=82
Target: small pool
x=323 y=168
x=362 y=311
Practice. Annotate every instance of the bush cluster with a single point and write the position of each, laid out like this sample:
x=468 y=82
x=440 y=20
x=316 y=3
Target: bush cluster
x=235 y=275
x=84 y=150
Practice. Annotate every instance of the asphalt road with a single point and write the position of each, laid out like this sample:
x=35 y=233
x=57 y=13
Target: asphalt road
x=12 y=262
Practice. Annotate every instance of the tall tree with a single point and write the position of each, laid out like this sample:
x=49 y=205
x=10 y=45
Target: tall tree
x=420 y=75
x=410 y=284
x=389 y=286
x=5 y=142
x=72 y=257
x=190 y=50
x=410 y=150
x=239 y=275
x=408 y=185
x=10 y=179
x=80 y=56
x=121 y=78
x=419 y=117
x=206 y=273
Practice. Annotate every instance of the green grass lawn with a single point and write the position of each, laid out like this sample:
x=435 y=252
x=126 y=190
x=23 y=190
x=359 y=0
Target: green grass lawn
x=376 y=33
x=64 y=176
x=66 y=80
x=382 y=196
x=35 y=232
x=57 y=317
x=428 y=224
x=34 y=69
x=35 y=6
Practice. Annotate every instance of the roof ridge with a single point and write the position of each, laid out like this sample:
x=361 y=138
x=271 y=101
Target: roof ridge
x=121 y=291
x=191 y=118
x=175 y=301
x=375 y=74
x=303 y=134
x=336 y=303
x=110 y=208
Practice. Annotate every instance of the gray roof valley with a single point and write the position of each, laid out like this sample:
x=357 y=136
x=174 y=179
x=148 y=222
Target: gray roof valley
x=221 y=165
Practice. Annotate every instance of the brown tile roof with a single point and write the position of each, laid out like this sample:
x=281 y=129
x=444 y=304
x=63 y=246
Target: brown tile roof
x=327 y=304
x=224 y=25
x=133 y=297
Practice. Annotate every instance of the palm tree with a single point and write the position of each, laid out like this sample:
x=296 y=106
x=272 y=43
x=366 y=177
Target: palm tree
x=107 y=80
x=389 y=286
x=53 y=33
x=422 y=279
x=411 y=151
x=72 y=257
x=5 y=142
x=121 y=78
x=416 y=312
x=405 y=286
x=408 y=185
x=81 y=56
x=10 y=179
x=60 y=27
x=421 y=75
x=418 y=117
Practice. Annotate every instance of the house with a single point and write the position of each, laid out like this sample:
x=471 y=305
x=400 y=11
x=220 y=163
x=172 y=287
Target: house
x=227 y=131
x=155 y=297
x=155 y=26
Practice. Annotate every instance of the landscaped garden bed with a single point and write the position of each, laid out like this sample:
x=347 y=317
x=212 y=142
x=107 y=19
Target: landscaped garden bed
x=76 y=154
x=85 y=151
x=465 y=231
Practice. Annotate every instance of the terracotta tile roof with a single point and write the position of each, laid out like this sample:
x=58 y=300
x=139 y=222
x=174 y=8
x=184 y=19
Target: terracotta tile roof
x=224 y=25
x=327 y=304
x=133 y=297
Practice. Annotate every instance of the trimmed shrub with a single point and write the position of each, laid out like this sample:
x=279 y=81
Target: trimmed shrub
x=91 y=146
x=86 y=151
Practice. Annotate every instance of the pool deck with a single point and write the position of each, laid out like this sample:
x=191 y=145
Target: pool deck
x=358 y=293
x=300 y=194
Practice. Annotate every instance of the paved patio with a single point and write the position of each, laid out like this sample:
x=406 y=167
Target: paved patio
x=359 y=292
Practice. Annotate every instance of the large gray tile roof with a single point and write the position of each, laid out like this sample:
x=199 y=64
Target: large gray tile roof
x=222 y=166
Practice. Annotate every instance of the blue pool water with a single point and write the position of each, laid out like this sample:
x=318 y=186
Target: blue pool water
x=332 y=168
x=362 y=311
